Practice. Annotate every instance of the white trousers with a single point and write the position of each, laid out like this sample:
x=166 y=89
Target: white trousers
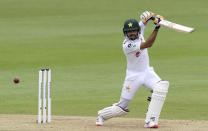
x=147 y=78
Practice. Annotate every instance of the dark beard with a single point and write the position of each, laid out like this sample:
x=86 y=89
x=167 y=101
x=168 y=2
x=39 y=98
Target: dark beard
x=133 y=37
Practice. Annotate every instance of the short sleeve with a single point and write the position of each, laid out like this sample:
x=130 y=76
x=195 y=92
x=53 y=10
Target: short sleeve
x=131 y=46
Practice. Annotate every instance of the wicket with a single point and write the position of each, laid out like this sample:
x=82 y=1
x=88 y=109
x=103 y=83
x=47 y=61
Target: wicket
x=44 y=82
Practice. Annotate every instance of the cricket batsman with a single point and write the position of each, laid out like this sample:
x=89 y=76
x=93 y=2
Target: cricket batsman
x=138 y=72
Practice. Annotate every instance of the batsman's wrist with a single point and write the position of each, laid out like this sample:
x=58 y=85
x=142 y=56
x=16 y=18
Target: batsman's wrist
x=157 y=27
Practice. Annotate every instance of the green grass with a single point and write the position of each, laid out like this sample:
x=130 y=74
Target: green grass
x=81 y=41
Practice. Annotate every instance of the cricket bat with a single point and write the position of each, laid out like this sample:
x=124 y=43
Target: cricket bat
x=176 y=27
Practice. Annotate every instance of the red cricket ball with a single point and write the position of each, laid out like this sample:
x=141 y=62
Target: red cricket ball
x=16 y=80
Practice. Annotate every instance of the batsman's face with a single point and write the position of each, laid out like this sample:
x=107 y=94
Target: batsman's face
x=132 y=35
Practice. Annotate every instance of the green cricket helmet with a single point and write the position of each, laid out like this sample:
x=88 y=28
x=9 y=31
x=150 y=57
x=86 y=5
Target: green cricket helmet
x=131 y=25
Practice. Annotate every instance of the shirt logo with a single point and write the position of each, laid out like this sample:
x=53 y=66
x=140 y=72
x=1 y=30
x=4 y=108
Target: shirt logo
x=131 y=45
x=138 y=54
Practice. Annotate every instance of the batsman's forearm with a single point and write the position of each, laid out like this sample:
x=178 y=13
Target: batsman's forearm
x=151 y=38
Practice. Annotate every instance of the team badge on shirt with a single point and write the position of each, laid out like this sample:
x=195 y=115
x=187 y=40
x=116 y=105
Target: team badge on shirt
x=137 y=54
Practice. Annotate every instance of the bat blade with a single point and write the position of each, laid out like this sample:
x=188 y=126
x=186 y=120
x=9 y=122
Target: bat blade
x=177 y=27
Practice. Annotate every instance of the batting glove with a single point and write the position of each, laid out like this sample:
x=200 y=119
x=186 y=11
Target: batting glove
x=146 y=16
x=157 y=20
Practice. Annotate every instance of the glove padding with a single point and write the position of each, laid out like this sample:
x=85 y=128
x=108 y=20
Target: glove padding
x=146 y=16
x=157 y=20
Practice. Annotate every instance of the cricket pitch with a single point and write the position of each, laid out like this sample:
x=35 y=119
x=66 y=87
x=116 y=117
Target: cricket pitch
x=77 y=123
